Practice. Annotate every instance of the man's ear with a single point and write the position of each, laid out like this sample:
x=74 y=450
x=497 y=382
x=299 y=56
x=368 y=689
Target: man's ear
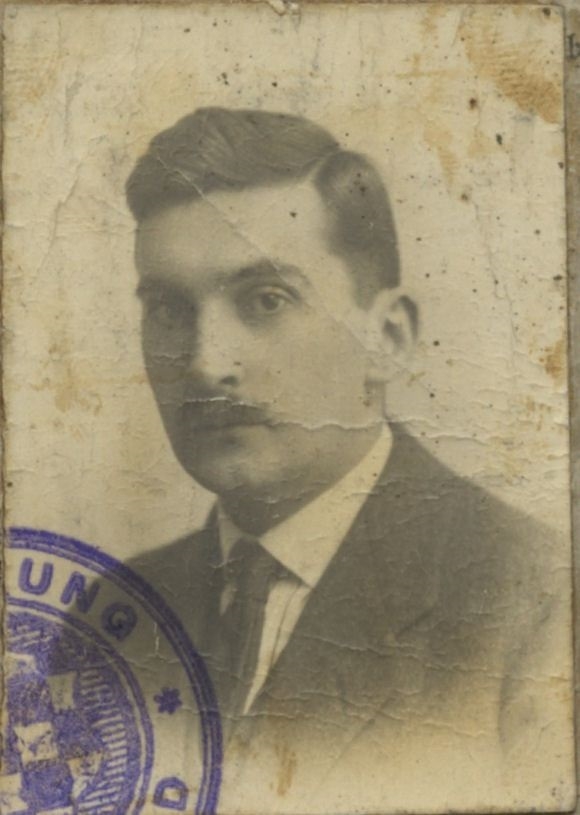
x=395 y=316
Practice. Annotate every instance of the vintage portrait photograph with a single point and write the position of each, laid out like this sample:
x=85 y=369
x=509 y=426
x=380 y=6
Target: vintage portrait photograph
x=286 y=399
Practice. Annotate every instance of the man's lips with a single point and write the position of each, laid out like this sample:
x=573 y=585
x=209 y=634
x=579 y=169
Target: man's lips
x=220 y=414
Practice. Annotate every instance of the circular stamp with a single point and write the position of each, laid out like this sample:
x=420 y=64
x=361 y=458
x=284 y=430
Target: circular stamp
x=108 y=709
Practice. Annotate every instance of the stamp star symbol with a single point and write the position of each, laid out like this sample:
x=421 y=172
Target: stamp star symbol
x=168 y=700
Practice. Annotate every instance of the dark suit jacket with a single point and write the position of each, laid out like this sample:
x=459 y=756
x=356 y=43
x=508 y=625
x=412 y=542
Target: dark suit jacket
x=434 y=601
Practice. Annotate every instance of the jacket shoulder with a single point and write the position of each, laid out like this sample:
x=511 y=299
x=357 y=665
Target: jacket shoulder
x=471 y=572
x=182 y=573
x=183 y=554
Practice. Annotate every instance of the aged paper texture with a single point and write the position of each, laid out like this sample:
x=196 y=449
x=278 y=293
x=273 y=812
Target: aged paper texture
x=573 y=205
x=286 y=395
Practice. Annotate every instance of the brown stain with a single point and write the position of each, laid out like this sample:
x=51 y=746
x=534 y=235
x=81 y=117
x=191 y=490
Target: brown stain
x=432 y=13
x=33 y=75
x=554 y=360
x=437 y=135
x=536 y=412
x=287 y=759
x=73 y=380
x=530 y=406
x=65 y=385
x=481 y=145
x=440 y=139
x=515 y=69
x=416 y=70
x=76 y=385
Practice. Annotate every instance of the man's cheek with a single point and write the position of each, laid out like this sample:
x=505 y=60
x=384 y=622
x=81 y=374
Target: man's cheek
x=165 y=366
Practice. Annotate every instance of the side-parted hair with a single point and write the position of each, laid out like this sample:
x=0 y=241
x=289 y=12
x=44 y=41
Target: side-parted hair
x=234 y=149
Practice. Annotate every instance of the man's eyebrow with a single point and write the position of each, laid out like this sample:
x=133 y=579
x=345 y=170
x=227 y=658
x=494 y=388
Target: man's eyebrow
x=259 y=272
x=151 y=286
x=268 y=269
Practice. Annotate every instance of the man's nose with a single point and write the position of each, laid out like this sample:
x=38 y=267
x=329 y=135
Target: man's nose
x=216 y=358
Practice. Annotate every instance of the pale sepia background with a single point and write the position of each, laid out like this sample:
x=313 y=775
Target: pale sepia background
x=474 y=163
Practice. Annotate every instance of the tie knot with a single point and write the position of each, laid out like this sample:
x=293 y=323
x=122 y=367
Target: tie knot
x=250 y=561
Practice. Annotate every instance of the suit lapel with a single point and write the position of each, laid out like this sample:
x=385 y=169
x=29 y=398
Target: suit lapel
x=348 y=646
x=186 y=573
x=207 y=584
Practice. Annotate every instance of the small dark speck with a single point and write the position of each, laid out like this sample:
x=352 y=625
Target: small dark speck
x=464 y=196
x=546 y=12
x=436 y=342
x=9 y=483
x=473 y=103
x=499 y=138
x=432 y=395
x=214 y=23
x=474 y=291
x=557 y=277
x=419 y=239
x=186 y=30
x=561 y=165
x=274 y=84
x=427 y=274
x=536 y=231
x=293 y=214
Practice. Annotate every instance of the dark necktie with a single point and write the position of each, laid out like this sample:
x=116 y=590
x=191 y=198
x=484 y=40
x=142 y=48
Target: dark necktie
x=252 y=571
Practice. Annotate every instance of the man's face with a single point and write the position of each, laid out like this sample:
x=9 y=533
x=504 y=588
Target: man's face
x=255 y=347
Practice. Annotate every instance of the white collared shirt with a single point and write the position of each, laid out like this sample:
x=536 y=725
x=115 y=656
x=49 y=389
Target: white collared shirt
x=325 y=521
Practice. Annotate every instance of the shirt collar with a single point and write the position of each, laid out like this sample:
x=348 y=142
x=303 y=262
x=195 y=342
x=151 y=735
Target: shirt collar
x=305 y=542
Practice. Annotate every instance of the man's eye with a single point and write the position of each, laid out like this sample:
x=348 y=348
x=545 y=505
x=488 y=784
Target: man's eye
x=168 y=314
x=267 y=301
x=271 y=302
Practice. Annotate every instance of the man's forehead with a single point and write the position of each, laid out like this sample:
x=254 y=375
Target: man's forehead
x=227 y=229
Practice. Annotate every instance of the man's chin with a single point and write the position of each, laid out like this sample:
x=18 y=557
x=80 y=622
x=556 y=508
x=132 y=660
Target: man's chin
x=228 y=459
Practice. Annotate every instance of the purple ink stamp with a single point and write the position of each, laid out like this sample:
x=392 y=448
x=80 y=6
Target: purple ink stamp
x=102 y=687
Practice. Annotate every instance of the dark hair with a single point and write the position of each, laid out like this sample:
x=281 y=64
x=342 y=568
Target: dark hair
x=221 y=149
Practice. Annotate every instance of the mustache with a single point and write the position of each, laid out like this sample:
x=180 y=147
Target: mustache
x=221 y=412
